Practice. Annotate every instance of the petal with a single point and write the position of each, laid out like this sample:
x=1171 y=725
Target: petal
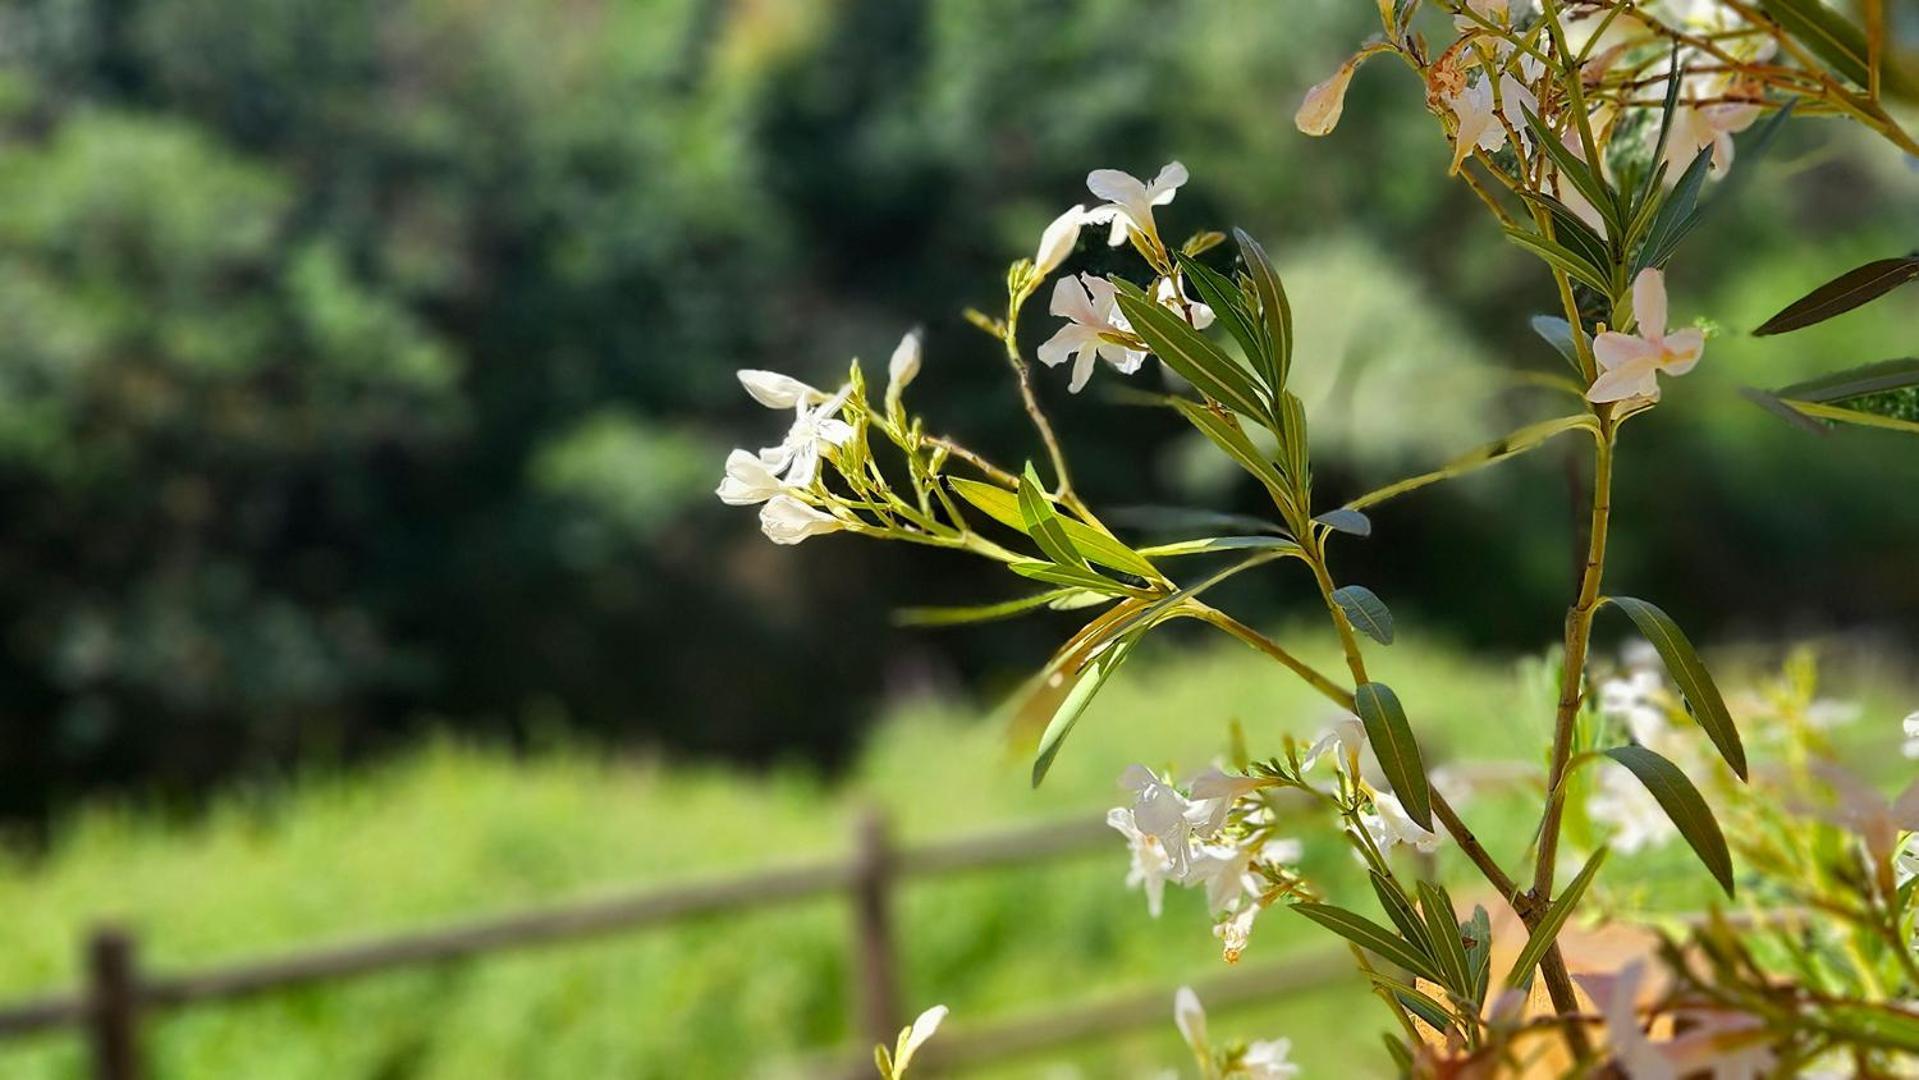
x=1649 y=302
x=1621 y=383
x=904 y=367
x=1170 y=179
x=777 y=391
x=1058 y=241
x=922 y=1030
x=1115 y=186
x=1070 y=300
x=1082 y=371
x=1613 y=349
x=1190 y=1016
x=1683 y=350
x=1070 y=339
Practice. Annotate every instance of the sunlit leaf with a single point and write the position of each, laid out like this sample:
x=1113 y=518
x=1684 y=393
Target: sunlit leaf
x=1553 y=921
x=1043 y=523
x=1393 y=744
x=1442 y=928
x=1695 y=682
x=1370 y=936
x=1527 y=438
x=1211 y=544
x=1684 y=805
x=1074 y=706
x=1189 y=353
x=1003 y=506
x=1274 y=308
x=1006 y=609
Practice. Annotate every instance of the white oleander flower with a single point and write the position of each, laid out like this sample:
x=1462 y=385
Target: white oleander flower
x=1160 y=811
x=1826 y=714
x=777 y=391
x=1266 y=1061
x=1631 y=364
x=1912 y=736
x=1637 y=820
x=1236 y=932
x=748 y=482
x=1391 y=825
x=1698 y=127
x=1129 y=202
x=1483 y=121
x=1215 y=791
x=912 y=1038
x=786 y=520
x=1906 y=866
x=1089 y=305
x=1057 y=242
x=1151 y=868
x=1177 y=302
x=1222 y=870
x=1346 y=733
x=796 y=460
x=1190 y=1017
x=902 y=368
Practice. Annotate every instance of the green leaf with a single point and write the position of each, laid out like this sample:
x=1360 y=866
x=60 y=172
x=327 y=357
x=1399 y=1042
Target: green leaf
x=1564 y=259
x=1004 y=507
x=1852 y=289
x=1856 y=382
x=1070 y=576
x=1274 y=308
x=1347 y=520
x=1527 y=438
x=1479 y=952
x=1574 y=234
x=1394 y=746
x=1091 y=679
x=1442 y=926
x=1043 y=522
x=1683 y=804
x=1678 y=215
x=1211 y=544
x=1420 y=1003
x=1370 y=936
x=1226 y=434
x=1230 y=310
x=1559 y=334
x=1186 y=519
x=1401 y=912
x=1831 y=36
x=1553 y=921
x=1366 y=611
x=1189 y=353
x=1695 y=682
x=1005 y=609
x=1581 y=175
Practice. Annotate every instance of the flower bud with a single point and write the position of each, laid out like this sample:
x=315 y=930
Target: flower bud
x=1319 y=113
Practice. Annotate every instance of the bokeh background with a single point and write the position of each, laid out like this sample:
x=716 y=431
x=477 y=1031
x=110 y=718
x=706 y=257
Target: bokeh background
x=366 y=369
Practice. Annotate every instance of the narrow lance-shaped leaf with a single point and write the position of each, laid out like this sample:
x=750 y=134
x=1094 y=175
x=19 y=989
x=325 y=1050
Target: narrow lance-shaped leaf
x=1366 y=611
x=1221 y=294
x=1442 y=926
x=1070 y=710
x=1527 y=438
x=1553 y=921
x=1003 y=506
x=1402 y=913
x=1393 y=744
x=1695 y=682
x=1562 y=258
x=1212 y=544
x=1005 y=609
x=1479 y=952
x=1189 y=353
x=1850 y=290
x=1274 y=308
x=1678 y=215
x=1370 y=936
x=1683 y=804
x=1043 y=522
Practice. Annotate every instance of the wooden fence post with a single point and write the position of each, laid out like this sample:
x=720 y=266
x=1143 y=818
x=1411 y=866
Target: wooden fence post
x=875 y=986
x=113 y=1004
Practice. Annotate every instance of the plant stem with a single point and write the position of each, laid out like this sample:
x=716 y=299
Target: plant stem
x=1023 y=372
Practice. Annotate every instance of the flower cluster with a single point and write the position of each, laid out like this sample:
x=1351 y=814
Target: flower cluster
x=1217 y=836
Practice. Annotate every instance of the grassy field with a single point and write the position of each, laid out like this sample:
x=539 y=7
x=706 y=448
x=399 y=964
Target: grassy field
x=453 y=831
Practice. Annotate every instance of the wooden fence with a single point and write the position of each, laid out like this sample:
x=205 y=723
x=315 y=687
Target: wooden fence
x=119 y=994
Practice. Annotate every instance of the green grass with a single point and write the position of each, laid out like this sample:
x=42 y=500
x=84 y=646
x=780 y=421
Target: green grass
x=452 y=832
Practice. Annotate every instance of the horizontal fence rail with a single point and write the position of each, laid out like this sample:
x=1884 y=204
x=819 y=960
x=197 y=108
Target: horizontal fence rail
x=117 y=992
